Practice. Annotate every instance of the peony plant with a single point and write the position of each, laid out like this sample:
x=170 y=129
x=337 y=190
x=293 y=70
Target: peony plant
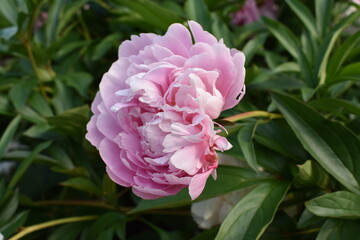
x=170 y=111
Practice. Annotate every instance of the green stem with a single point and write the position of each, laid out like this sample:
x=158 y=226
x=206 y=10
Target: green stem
x=251 y=114
x=31 y=57
x=37 y=227
x=85 y=29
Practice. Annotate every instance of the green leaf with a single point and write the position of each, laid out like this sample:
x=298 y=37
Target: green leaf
x=5 y=105
x=153 y=13
x=20 y=92
x=39 y=103
x=271 y=162
x=8 y=209
x=52 y=22
x=286 y=38
x=229 y=179
x=341 y=204
x=80 y=81
x=334 y=105
x=26 y=163
x=336 y=229
x=322 y=55
x=253 y=46
x=311 y=45
x=304 y=14
x=61 y=156
x=70 y=9
x=245 y=138
x=8 y=134
x=197 y=10
x=306 y=219
x=291 y=43
x=252 y=214
x=106 y=221
x=335 y=147
x=323 y=10
x=243 y=33
x=340 y=55
x=30 y=115
x=111 y=41
x=71 y=122
x=69 y=231
x=8 y=13
x=221 y=30
x=65 y=98
x=350 y=72
x=7 y=33
x=82 y=184
x=277 y=136
x=14 y=224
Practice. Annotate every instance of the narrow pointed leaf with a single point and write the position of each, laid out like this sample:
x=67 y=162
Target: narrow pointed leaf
x=253 y=213
x=245 y=139
x=153 y=13
x=9 y=134
x=26 y=163
x=304 y=14
x=336 y=61
x=336 y=229
x=334 y=146
x=323 y=13
x=341 y=204
x=322 y=56
x=291 y=43
x=82 y=184
x=197 y=10
x=286 y=38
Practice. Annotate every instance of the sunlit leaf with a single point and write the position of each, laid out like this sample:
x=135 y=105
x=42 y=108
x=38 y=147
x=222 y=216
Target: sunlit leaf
x=253 y=213
x=341 y=204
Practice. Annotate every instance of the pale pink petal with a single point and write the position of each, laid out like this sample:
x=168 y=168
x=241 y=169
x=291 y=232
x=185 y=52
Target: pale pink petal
x=197 y=184
x=93 y=135
x=187 y=158
x=200 y=35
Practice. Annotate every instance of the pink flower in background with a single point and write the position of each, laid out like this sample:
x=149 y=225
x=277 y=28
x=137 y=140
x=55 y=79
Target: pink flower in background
x=40 y=21
x=251 y=12
x=153 y=116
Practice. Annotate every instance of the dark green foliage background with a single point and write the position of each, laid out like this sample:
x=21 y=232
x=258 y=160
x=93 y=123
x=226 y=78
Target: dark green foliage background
x=305 y=66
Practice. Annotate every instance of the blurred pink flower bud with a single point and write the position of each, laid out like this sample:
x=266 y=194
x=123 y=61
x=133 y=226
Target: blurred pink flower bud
x=251 y=12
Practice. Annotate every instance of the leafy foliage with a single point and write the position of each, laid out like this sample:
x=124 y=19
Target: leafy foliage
x=302 y=166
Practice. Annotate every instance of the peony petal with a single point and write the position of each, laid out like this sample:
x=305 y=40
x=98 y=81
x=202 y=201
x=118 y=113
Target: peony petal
x=177 y=39
x=135 y=45
x=93 y=135
x=187 y=158
x=197 y=184
x=110 y=153
x=200 y=35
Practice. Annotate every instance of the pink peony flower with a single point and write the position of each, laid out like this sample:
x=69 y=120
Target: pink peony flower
x=251 y=12
x=153 y=116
